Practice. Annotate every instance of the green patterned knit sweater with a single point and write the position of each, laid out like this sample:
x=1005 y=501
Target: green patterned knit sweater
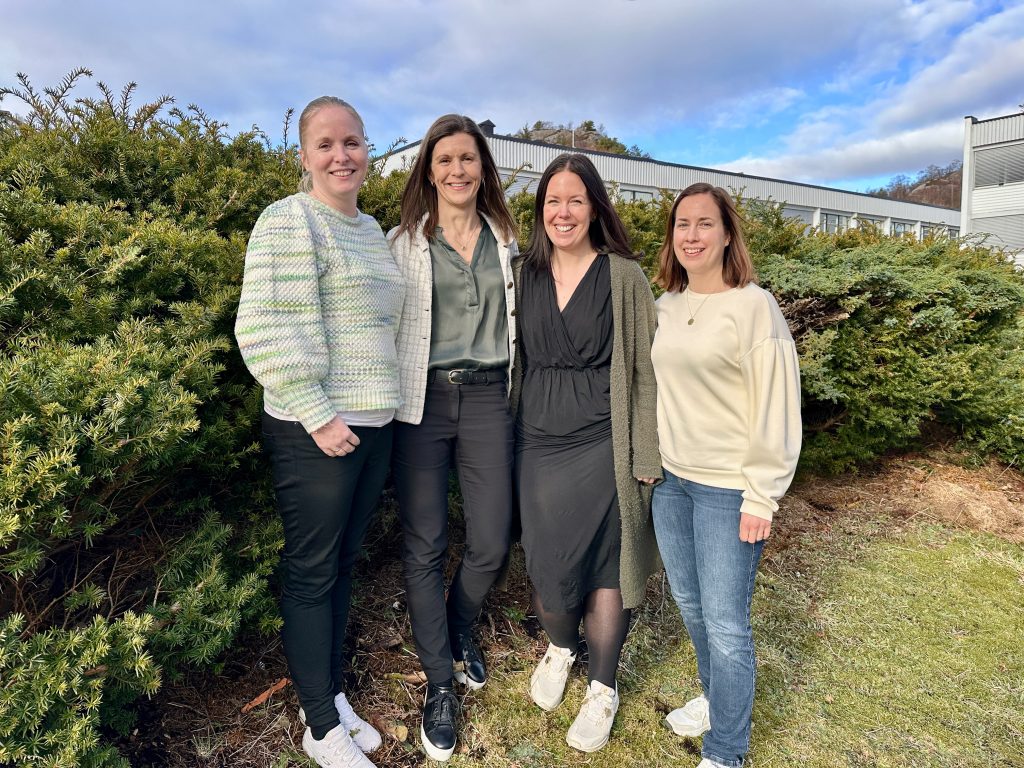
x=320 y=304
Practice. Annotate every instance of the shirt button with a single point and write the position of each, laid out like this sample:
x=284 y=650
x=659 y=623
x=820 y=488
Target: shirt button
x=513 y=312
x=509 y=285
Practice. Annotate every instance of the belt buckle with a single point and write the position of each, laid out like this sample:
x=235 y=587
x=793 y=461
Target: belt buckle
x=455 y=376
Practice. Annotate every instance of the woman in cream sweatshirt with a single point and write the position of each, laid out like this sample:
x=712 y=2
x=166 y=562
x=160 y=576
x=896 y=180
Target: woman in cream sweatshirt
x=729 y=427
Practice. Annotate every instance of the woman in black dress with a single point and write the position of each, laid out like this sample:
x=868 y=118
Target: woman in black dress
x=586 y=439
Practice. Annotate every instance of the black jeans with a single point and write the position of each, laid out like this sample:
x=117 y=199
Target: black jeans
x=326 y=504
x=472 y=421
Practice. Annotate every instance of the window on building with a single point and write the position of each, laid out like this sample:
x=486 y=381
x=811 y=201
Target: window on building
x=954 y=232
x=900 y=228
x=635 y=194
x=834 y=222
x=803 y=214
x=867 y=221
x=999 y=165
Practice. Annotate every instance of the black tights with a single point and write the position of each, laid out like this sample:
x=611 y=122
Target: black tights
x=605 y=624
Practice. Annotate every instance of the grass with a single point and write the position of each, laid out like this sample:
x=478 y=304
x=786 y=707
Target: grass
x=888 y=616
x=881 y=649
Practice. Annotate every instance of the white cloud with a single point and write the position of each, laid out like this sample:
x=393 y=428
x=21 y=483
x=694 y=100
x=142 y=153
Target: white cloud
x=650 y=67
x=913 y=150
x=910 y=124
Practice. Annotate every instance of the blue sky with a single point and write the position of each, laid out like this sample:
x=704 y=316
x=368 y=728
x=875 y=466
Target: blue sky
x=837 y=93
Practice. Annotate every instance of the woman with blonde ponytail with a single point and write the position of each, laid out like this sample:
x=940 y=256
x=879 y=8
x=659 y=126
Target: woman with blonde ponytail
x=319 y=311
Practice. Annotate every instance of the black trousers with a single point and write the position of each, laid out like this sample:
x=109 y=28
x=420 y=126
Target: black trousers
x=326 y=504
x=471 y=422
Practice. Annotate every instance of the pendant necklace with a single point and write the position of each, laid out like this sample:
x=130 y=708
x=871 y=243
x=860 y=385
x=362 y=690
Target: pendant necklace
x=464 y=244
x=689 y=309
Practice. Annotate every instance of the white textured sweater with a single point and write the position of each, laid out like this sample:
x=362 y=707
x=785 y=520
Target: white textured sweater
x=728 y=393
x=319 y=311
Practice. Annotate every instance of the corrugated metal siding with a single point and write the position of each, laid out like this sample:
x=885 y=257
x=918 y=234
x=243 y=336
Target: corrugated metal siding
x=1006 y=231
x=997 y=130
x=998 y=201
x=999 y=165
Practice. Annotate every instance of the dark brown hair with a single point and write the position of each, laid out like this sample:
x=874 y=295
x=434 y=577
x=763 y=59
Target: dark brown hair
x=737 y=268
x=419 y=197
x=607 y=233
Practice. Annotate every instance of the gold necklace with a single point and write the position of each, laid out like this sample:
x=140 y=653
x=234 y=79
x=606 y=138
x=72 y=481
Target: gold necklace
x=464 y=244
x=693 y=314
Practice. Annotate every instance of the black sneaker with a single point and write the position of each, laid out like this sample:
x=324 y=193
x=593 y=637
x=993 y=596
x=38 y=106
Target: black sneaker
x=469 y=663
x=440 y=722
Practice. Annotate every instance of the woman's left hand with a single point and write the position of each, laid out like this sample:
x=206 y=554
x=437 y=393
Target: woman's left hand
x=648 y=480
x=754 y=529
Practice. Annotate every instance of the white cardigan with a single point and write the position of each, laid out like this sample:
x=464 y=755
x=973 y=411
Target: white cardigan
x=412 y=254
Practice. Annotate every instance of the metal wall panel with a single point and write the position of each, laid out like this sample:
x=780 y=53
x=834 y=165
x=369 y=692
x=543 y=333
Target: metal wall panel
x=997 y=130
x=1005 y=231
x=998 y=201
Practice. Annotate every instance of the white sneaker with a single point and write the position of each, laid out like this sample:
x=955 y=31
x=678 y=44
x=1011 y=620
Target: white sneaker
x=547 y=685
x=366 y=737
x=589 y=731
x=691 y=719
x=335 y=750
x=705 y=763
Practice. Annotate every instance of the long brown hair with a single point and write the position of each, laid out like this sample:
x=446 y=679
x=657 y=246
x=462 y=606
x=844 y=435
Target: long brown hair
x=737 y=268
x=607 y=232
x=419 y=197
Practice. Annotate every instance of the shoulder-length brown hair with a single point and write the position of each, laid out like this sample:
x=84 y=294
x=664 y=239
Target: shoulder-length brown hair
x=607 y=232
x=419 y=198
x=737 y=268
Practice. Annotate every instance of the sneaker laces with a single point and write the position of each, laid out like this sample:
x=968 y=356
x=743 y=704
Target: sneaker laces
x=446 y=707
x=341 y=748
x=556 y=664
x=468 y=650
x=598 y=706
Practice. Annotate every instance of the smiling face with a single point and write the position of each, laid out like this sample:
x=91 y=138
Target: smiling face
x=456 y=170
x=568 y=213
x=699 y=239
x=334 y=152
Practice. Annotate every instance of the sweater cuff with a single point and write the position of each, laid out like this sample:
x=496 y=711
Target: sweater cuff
x=648 y=470
x=309 y=405
x=757 y=509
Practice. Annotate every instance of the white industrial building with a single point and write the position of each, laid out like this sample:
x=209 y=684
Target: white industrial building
x=637 y=178
x=993 y=187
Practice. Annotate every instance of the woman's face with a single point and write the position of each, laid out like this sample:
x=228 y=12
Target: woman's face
x=334 y=152
x=699 y=237
x=456 y=171
x=568 y=212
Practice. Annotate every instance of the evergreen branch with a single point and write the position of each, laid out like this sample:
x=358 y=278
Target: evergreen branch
x=126 y=99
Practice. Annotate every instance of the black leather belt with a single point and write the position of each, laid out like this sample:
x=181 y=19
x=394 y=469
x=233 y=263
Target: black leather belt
x=464 y=376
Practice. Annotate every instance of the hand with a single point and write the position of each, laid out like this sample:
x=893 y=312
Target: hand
x=335 y=438
x=648 y=480
x=754 y=529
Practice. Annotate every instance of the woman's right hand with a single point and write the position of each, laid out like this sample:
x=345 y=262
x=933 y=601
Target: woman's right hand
x=335 y=438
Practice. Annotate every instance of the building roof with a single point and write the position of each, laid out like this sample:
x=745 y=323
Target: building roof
x=530 y=157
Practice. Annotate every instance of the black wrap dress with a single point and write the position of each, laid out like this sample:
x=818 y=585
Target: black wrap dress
x=564 y=464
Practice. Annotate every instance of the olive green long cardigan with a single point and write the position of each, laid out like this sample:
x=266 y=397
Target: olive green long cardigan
x=634 y=419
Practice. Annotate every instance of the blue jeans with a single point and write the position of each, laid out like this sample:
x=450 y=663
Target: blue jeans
x=711 y=574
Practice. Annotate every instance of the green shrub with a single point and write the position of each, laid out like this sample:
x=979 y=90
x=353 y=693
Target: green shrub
x=130 y=478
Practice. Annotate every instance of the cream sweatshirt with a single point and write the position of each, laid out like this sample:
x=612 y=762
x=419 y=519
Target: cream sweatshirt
x=728 y=393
